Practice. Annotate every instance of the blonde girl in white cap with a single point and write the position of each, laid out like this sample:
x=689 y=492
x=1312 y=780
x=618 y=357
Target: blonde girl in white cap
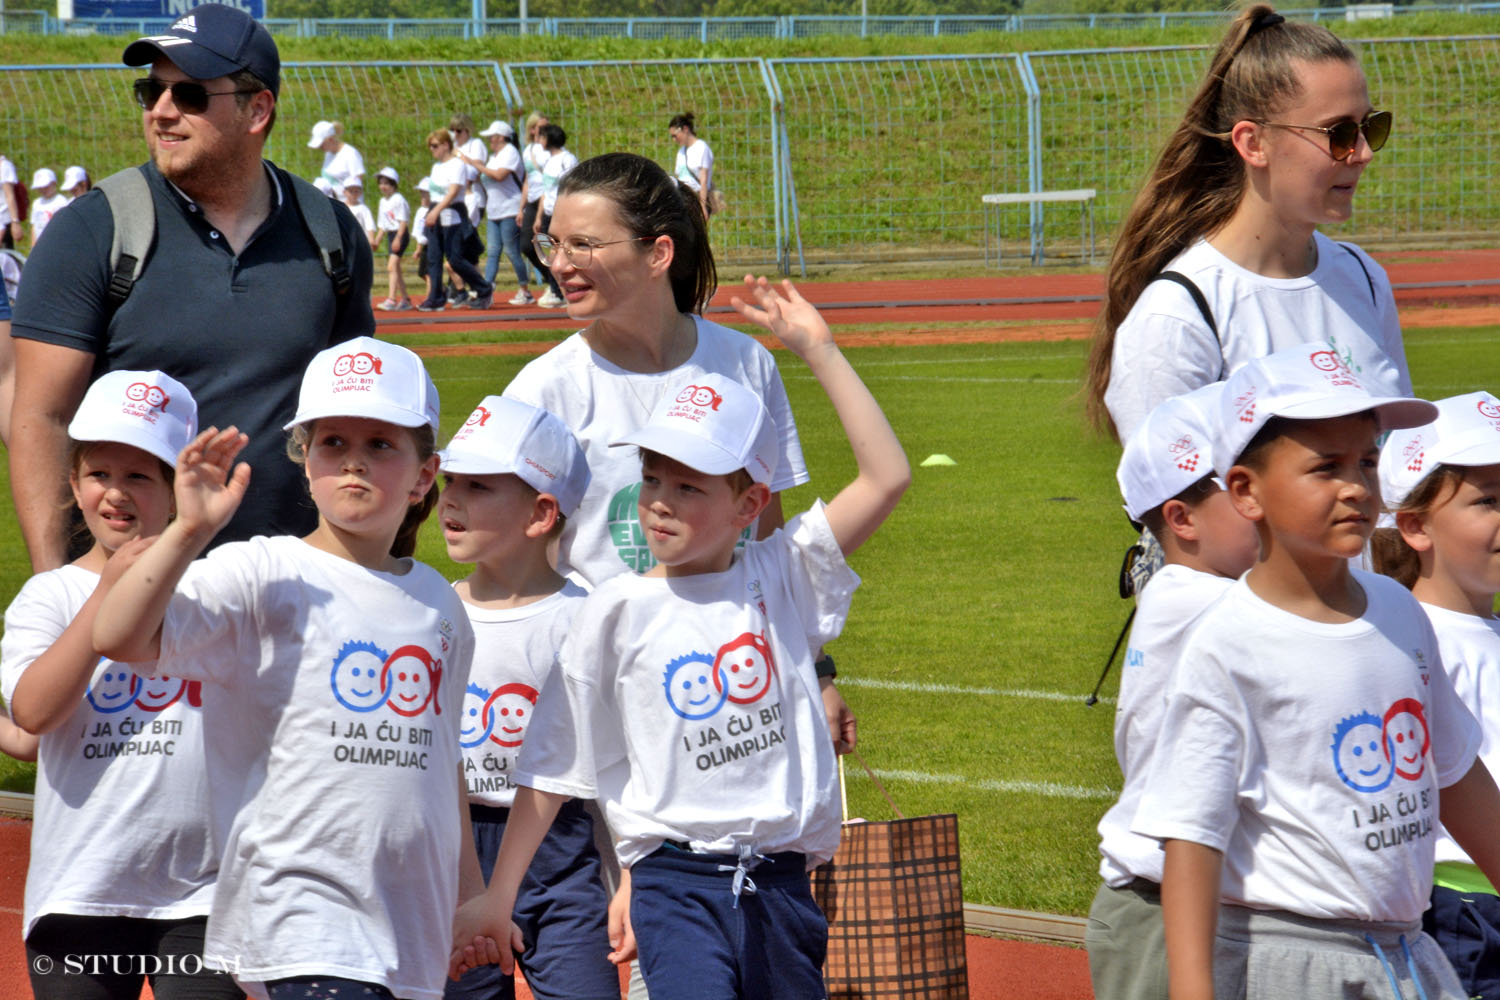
x=347 y=661
x=393 y=216
x=1442 y=481
x=114 y=746
x=46 y=201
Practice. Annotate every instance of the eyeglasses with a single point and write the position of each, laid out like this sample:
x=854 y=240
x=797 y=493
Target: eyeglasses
x=188 y=95
x=436 y=145
x=1344 y=136
x=580 y=252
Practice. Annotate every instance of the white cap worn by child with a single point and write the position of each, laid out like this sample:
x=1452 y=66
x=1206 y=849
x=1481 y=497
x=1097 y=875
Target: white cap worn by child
x=715 y=426
x=74 y=176
x=321 y=133
x=389 y=173
x=1307 y=382
x=365 y=377
x=1466 y=432
x=151 y=411
x=43 y=177
x=1171 y=450
x=507 y=436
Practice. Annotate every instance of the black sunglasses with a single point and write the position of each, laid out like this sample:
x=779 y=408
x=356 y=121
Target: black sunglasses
x=188 y=95
x=1343 y=137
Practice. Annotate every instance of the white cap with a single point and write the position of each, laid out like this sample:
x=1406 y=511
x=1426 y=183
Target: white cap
x=1466 y=432
x=715 y=426
x=498 y=127
x=1171 y=450
x=1307 y=382
x=323 y=184
x=354 y=181
x=507 y=436
x=147 y=410
x=43 y=177
x=365 y=377
x=389 y=173
x=321 y=133
x=74 y=176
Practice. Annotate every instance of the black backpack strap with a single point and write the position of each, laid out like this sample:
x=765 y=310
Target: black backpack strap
x=1360 y=261
x=316 y=209
x=134 y=214
x=1178 y=278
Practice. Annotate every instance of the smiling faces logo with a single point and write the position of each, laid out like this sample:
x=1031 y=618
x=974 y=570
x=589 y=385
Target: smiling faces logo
x=1405 y=729
x=412 y=676
x=357 y=679
x=745 y=665
x=474 y=722
x=1359 y=757
x=509 y=712
x=694 y=686
x=114 y=690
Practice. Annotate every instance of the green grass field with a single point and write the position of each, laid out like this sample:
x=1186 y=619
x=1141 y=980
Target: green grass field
x=989 y=598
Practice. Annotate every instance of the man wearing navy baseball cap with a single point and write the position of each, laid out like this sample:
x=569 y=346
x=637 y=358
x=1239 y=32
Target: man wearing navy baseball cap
x=237 y=292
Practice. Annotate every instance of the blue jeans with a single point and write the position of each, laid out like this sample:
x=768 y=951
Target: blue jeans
x=504 y=233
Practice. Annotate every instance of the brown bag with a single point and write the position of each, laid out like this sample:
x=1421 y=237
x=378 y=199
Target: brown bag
x=893 y=896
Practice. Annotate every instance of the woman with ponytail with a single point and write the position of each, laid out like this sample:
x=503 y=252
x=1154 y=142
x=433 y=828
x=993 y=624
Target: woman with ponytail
x=1219 y=260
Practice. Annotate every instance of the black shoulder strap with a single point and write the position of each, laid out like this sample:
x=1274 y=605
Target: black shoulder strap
x=1360 y=261
x=316 y=209
x=1178 y=278
x=134 y=213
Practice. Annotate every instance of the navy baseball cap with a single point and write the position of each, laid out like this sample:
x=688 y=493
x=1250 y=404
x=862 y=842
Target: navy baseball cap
x=213 y=40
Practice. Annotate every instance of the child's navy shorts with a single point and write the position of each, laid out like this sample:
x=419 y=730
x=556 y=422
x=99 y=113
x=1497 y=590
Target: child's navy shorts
x=697 y=939
x=562 y=911
x=1466 y=925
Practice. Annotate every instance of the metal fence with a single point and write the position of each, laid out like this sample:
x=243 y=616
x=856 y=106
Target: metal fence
x=706 y=29
x=829 y=160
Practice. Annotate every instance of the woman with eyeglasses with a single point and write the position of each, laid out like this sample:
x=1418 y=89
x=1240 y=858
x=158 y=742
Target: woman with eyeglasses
x=1219 y=260
x=447 y=226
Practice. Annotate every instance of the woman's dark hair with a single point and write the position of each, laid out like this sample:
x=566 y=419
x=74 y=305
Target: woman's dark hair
x=651 y=203
x=684 y=120
x=553 y=135
x=1198 y=180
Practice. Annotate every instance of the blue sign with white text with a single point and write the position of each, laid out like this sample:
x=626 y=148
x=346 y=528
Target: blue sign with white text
x=156 y=8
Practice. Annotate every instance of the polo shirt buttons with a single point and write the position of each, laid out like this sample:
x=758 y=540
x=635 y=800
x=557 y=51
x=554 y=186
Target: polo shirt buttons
x=213 y=234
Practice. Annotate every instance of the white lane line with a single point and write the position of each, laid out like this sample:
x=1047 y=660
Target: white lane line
x=1048 y=789
x=925 y=688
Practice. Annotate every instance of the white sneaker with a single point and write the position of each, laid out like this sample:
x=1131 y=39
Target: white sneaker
x=551 y=300
x=522 y=298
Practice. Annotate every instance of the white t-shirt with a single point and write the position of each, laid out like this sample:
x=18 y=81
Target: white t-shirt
x=558 y=164
x=446 y=174
x=515 y=652
x=534 y=158
x=601 y=403
x=124 y=804
x=692 y=158
x=1301 y=751
x=1166 y=612
x=1471 y=657
x=347 y=683
x=1164 y=348
x=42 y=211
x=392 y=212
x=8 y=175
x=343 y=165
x=362 y=215
x=689 y=706
x=502 y=199
x=474 y=149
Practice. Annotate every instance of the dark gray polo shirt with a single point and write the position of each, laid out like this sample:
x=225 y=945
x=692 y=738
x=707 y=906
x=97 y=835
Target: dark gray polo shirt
x=237 y=331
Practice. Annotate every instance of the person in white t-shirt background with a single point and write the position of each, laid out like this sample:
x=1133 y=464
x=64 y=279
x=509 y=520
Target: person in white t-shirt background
x=447 y=226
x=1167 y=481
x=1271 y=148
x=46 y=201
x=393 y=217
x=694 y=168
x=353 y=194
x=1442 y=480
x=341 y=161
x=560 y=160
x=467 y=144
x=346 y=660
x=501 y=177
x=114 y=747
x=533 y=159
x=10 y=207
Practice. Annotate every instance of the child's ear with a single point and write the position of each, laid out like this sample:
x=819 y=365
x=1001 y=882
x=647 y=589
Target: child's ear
x=1178 y=517
x=1243 y=485
x=544 y=514
x=1413 y=530
x=751 y=503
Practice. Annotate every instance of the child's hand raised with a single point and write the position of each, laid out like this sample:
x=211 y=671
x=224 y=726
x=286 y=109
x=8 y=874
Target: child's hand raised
x=209 y=485
x=794 y=320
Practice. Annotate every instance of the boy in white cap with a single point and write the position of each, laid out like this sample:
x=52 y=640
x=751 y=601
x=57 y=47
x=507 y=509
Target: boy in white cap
x=1309 y=725
x=353 y=194
x=1442 y=481
x=75 y=182
x=393 y=216
x=1167 y=480
x=46 y=201
x=687 y=700
x=513 y=473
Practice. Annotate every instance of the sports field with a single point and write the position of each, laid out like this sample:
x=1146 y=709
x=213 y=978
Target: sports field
x=989 y=601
